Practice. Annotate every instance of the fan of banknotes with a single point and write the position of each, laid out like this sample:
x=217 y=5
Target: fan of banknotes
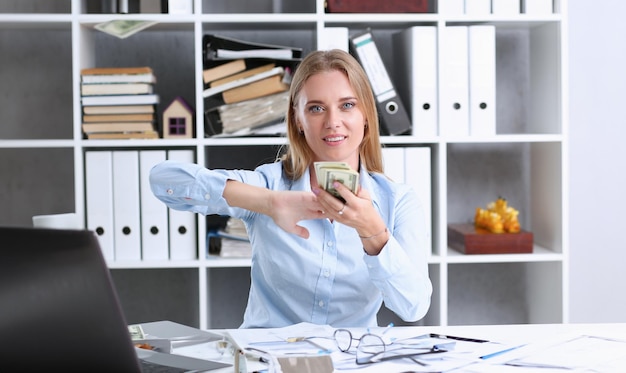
x=328 y=172
x=136 y=332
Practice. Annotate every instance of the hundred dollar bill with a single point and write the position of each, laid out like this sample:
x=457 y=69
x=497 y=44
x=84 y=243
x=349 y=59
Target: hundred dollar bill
x=322 y=167
x=329 y=172
x=136 y=332
x=123 y=28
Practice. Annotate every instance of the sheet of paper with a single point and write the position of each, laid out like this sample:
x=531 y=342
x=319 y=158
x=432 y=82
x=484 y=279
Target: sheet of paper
x=579 y=352
x=288 y=339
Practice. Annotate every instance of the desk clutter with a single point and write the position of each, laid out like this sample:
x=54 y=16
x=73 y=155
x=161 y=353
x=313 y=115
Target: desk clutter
x=311 y=348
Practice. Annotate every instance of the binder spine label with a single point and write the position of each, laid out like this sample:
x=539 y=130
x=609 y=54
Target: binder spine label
x=374 y=67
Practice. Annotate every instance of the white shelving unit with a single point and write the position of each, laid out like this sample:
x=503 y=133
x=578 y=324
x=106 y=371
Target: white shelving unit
x=46 y=44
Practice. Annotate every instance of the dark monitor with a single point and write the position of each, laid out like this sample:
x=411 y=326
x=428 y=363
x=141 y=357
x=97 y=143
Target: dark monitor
x=58 y=305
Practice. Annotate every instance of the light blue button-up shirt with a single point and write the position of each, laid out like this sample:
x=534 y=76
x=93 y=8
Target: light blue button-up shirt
x=327 y=278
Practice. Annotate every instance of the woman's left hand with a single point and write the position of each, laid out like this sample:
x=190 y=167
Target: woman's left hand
x=357 y=212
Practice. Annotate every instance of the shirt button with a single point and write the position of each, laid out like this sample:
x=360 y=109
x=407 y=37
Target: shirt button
x=321 y=303
x=207 y=196
x=170 y=192
x=330 y=244
x=326 y=273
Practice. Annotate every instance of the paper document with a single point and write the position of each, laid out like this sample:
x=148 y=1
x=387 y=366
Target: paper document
x=580 y=353
x=404 y=350
x=288 y=339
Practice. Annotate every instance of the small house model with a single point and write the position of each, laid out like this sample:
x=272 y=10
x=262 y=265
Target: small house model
x=178 y=120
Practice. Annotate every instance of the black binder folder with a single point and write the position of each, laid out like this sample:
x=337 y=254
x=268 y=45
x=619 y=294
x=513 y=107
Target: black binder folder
x=394 y=119
x=213 y=44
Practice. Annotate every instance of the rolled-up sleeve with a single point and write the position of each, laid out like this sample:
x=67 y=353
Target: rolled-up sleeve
x=190 y=187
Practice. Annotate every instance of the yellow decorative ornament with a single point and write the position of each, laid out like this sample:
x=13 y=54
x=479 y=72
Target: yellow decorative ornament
x=498 y=217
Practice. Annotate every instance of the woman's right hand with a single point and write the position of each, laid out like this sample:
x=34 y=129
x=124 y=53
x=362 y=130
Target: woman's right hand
x=287 y=208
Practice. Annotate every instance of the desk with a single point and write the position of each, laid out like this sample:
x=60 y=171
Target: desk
x=530 y=334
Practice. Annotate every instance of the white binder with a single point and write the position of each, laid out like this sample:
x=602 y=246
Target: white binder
x=537 y=6
x=99 y=199
x=182 y=227
x=126 y=205
x=154 y=227
x=477 y=7
x=482 y=80
x=416 y=69
x=418 y=174
x=451 y=7
x=334 y=38
x=393 y=161
x=505 y=7
x=412 y=166
x=454 y=78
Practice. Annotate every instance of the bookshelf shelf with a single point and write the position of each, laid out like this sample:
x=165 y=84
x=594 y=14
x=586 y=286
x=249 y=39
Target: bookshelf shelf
x=41 y=140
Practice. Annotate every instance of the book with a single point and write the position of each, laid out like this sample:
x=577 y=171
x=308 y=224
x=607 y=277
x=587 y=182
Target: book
x=223 y=70
x=118 y=78
x=277 y=71
x=116 y=89
x=272 y=129
x=134 y=117
x=243 y=74
x=148 y=99
x=118 y=109
x=116 y=70
x=123 y=135
x=230 y=242
x=376 y=6
x=117 y=127
x=267 y=86
x=249 y=114
x=234 y=248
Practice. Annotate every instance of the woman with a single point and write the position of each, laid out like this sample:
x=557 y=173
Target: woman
x=315 y=258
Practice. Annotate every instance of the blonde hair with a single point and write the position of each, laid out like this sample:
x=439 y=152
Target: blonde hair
x=297 y=154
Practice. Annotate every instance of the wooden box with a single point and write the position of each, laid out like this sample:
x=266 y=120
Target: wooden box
x=470 y=240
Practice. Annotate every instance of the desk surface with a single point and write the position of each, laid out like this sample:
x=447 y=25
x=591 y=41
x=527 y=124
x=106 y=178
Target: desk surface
x=509 y=334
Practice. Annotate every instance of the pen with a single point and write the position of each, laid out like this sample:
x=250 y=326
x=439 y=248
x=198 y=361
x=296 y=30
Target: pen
x=498 y=353
x=443 y=336
x=387 y=328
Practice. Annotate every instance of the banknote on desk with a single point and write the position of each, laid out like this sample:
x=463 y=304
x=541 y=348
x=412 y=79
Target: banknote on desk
x=329 y=172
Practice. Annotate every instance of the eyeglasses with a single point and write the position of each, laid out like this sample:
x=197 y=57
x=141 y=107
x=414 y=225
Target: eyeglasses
x=371 y=348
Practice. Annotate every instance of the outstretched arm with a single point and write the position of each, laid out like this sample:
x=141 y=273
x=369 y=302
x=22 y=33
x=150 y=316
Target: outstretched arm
x=286 y=208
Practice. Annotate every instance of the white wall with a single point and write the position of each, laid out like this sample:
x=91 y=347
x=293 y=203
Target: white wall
x=597 y=35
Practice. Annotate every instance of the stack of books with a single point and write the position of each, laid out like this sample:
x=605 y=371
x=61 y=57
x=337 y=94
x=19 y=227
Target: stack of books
x=246 y=84
x=230 y=242
x=119 y=103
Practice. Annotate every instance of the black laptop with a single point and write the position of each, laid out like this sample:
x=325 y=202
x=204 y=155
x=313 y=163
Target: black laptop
x=58 y=307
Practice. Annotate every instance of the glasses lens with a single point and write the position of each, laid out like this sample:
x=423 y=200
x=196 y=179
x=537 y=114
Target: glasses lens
x=370 y=347
x=343 y=338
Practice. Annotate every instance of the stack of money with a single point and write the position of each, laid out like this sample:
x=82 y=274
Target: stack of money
x=329 y=172
x=136 y=332
x=123 y=28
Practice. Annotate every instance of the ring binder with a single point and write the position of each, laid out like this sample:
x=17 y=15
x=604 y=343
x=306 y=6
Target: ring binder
x=394 y=119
